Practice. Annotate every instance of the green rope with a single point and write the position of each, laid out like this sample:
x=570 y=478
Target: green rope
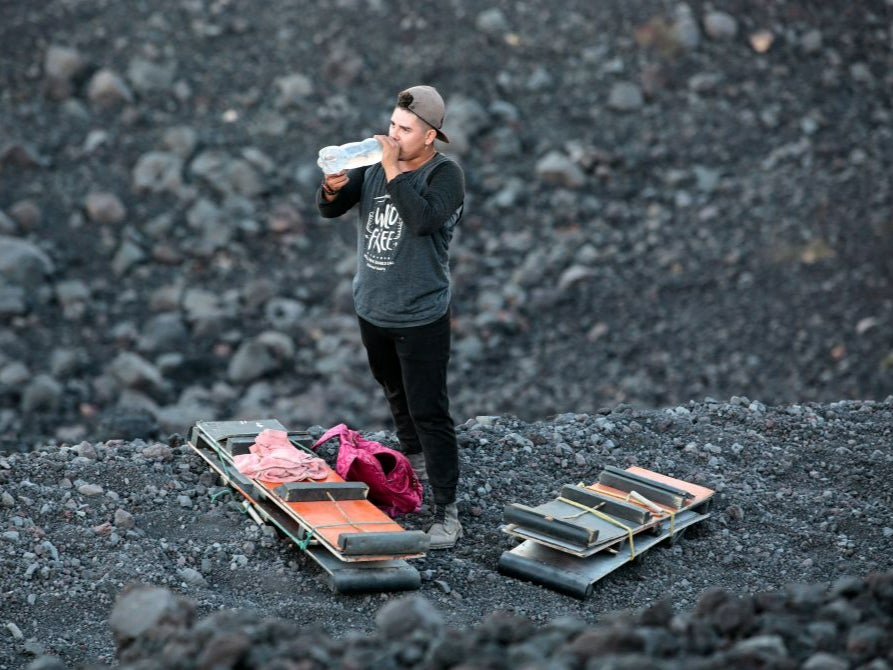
x=221 y=491
x=303 y=544
x=222 y=460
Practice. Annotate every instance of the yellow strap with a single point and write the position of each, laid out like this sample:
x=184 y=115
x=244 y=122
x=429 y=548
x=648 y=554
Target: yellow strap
x=604 y=517
x=350 y=522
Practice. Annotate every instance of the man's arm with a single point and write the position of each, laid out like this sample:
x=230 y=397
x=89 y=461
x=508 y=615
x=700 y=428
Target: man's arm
x=425 y=214
x=339 y=192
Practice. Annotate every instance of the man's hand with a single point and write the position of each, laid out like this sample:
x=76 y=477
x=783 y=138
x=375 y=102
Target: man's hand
x=337 y=181
x=332 y=183
x=390 y=154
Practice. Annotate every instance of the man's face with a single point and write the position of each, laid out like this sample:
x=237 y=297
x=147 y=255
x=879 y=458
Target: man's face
x=411 y=133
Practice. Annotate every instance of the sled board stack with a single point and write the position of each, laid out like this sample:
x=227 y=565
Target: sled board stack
x=359 y=546
x=586 y=532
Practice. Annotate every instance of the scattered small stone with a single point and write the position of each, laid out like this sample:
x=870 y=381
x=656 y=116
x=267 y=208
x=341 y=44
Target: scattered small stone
x=557 y=168
x=124 y=520
x=158 y=171
x=720 y=26
x=811 y=41
x=105 y=208
x=107 y=90
x=150 y=78
x=21 y=155
x=685 y=27
x=625 y=97
x=63 y=63
x=26 y=213
x=90 y=490
x=492 y=22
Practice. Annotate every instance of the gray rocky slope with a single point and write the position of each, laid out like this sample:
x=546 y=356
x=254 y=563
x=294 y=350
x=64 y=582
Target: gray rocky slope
x=665 y=202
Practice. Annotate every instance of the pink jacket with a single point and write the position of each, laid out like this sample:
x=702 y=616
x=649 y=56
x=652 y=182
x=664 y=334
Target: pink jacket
x=273 y=458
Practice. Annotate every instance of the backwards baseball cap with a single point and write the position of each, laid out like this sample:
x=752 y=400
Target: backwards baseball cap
x=425 y=102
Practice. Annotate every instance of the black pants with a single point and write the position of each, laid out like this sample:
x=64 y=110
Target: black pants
x=411 y=366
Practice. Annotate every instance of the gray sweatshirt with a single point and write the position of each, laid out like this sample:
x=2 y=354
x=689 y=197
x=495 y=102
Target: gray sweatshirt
x=404 y=233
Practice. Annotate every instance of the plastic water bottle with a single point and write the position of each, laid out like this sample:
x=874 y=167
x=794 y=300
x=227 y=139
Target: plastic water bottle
x=351 y=155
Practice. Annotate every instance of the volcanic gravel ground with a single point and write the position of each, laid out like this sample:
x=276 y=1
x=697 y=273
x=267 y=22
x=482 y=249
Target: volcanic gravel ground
x=803 y=497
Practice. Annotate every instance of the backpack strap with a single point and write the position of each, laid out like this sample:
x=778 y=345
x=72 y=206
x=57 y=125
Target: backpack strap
x=335 y=431
x=428 y=168
x=427 y=171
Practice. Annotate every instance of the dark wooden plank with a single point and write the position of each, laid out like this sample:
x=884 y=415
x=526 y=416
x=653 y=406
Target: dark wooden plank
x=321 y=491
x=606 y=504
x=534 y=519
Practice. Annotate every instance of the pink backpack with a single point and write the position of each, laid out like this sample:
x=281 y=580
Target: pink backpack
x=393 y=485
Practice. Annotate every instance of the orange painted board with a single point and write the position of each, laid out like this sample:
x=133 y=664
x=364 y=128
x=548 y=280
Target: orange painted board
x=700 y=493
x=326 y=520
x=329 y=519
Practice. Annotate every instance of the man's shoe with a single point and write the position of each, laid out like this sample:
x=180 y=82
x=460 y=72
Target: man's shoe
x=446 y=529
x=417 y=461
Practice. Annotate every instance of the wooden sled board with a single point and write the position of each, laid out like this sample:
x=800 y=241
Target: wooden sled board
x=607 y=534
x=616 y=537
x=351 y=530
x=342 y=577
x=576 y=575
x=579 y=516
x=572 y=567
